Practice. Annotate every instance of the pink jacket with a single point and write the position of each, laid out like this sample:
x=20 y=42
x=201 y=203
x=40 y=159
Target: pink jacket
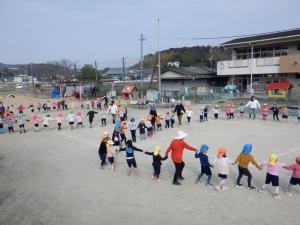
x=295 y=168
x=273 y=170
x=227 y=110
x=265 y=111
x=111 y=152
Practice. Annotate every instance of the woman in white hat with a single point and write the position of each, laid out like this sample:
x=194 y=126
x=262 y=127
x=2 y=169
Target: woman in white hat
x=176 y=147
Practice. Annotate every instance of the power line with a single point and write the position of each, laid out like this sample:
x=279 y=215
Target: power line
x=218 y=37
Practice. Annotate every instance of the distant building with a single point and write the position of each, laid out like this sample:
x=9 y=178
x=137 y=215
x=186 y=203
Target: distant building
x=174 y=64
x=118 y=73
x=23 y=78
x=272 y=57
x=189 y=80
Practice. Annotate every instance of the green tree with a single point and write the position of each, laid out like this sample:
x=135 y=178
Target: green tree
x=87 y=73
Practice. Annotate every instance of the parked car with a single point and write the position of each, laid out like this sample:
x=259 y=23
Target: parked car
x=19 y=86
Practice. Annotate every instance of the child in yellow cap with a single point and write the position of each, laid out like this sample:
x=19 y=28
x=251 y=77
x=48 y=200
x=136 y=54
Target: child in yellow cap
x=272 y=166
x=156 y=162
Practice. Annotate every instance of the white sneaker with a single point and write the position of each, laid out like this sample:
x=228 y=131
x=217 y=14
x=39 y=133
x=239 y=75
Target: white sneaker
x=288 y=193
x=239 y=186
x=217 y=188
x=276 y=196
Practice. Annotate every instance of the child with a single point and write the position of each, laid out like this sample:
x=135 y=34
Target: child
x=10 y=123
x=46 y=120
x=285 y=114
x=116 y=136
x=102 y=151
x=156 y=162
x=205 y=165
x=172 y=118
x=91 y=115
x=39 y=107
x=275 y=110
x=205 y=115
x=201 y=114
x=216 y=112
x=103 y=116
x=122 y=131
x=21 y=122
x=227 y=111
x=35 y=122
x=149 y=128
x=167 y=120
x=241 y=110
x=295 y=179
x=111 y=154
x=2 y=130
x=121 y=113
x=272 y=167
x=59 y=119
x=265 y=111
x=189 y=114
x=133 y=127
x=129 y=149
x=71 y=119
x=231 y=113
x=31 y=107
x=243 y=160
x=142 y=128
x=223 y=168
x=79 y=119
x=158 y=122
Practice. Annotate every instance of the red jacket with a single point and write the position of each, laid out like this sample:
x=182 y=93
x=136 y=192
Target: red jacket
x=177 y=147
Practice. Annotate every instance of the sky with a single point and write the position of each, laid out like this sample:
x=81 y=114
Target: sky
x=106 y=30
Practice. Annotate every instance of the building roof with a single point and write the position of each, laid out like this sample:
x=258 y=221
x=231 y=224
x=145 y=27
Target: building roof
x=115 y=71
x=279 y=85
x=189 y=73
x=265 y=37
x=129 y=89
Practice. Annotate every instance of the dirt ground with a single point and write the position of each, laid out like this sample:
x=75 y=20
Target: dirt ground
x=53 y=177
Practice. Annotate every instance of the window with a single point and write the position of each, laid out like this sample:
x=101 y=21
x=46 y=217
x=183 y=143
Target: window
x=276 y=92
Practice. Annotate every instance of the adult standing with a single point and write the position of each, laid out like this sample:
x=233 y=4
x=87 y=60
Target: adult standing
x=113 y=109
x=179 y=108
x=253 y=105
x=103 y=149
x=153 y=113
x=176 y=147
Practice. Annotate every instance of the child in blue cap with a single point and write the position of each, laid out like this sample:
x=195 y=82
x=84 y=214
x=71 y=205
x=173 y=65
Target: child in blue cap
x=205 y=165
x=243 y=160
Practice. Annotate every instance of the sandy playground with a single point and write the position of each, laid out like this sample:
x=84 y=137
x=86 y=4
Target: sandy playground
x=53 y=177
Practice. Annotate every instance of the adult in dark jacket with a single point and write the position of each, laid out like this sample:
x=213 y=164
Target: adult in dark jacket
x=102 y=149
x=153 y=113
x=179 y=109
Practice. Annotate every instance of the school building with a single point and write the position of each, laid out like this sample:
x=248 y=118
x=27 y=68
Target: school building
x=264 y=59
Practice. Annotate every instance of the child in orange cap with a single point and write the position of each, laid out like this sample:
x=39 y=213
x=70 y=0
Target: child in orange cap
x=223 y=168
x=295 y=179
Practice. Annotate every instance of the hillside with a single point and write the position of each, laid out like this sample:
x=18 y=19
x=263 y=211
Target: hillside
x=188 y=56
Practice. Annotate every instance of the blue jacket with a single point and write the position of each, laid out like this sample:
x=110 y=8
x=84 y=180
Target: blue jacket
x=203 y=159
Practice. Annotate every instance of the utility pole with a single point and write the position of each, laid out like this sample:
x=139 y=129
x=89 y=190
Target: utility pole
x=124 y=72
x=158 y=63
x=32 y=80
x=211 y=57
x=96 y=71
x=142 y=58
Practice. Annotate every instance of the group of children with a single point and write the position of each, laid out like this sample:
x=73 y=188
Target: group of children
x=109 y=149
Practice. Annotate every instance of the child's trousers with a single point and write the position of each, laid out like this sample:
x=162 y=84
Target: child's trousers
x=246 y=172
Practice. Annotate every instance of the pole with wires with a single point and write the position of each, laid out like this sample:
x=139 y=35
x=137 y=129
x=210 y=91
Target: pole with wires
x=142 y=58
x=158 y=63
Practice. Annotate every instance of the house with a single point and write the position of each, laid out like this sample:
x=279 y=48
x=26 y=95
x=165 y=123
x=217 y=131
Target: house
x=116 y=73
x=262 y=59
x=129 y=92
x=189 y=80
x=279 y=90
